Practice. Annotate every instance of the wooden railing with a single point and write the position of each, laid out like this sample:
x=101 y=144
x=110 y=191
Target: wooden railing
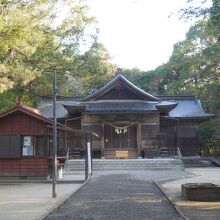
x=179 y=154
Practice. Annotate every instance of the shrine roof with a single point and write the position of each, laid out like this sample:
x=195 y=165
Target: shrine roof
x=182 y=106
x=141 y=94
x=176 y=107
x=187 y=107
x=120 y=107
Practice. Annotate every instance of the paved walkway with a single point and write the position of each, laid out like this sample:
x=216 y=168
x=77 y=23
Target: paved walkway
x=31 y=201
x=192 y=209
x=111 y=195
x=122 y=196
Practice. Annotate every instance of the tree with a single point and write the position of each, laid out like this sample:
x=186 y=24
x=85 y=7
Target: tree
x=95 y=67
x=196 y=65
x=35 y=40
x=148 y=81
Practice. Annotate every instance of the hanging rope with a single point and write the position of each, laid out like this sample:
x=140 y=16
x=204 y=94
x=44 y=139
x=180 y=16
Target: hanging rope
x=120 y=129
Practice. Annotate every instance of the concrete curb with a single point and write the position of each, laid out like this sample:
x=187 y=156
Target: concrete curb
x=171 y=201
x=59 y=203
x=178 y=178
x=41 y=181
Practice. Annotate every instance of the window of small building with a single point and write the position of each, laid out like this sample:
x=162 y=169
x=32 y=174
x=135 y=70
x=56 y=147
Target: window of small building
x=35 y=146
x=10 y=146
x=41 y=146
x=27 y=146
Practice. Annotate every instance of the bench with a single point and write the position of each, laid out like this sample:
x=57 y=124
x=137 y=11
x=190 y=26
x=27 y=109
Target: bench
x=121 y=154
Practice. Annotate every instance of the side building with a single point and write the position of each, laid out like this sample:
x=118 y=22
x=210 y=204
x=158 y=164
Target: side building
x=26 y=143
x=127 y=118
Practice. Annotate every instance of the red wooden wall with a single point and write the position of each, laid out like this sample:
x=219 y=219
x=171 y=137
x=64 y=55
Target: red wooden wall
x=23 y=124
x=38 y=167
x=19 y=123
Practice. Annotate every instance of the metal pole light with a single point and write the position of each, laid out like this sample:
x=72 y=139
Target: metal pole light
x=55 y=91
x=54 y=194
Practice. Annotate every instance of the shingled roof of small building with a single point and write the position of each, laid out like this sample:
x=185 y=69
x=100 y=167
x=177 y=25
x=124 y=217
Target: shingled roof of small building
x=33 y=112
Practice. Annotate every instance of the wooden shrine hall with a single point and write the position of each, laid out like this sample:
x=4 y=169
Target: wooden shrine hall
x=131 y=121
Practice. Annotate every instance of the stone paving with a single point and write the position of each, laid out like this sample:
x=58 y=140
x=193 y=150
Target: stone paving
x=195 y=210
x=121 y=195
x=111 y=195
x=31 y=201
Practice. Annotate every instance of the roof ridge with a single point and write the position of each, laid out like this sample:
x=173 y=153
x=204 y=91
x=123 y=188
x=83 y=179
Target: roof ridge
x=127 y=82
x=21 y=104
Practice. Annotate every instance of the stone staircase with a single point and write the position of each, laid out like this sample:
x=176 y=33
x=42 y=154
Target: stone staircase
x=193 y=162
x=128 y=164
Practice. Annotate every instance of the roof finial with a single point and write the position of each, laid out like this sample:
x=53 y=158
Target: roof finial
x=18 y=100
x=119 y=71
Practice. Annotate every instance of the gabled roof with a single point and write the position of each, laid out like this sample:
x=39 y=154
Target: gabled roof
x=104 y=101
x=20 y=106
x=47 y=111
x=127 y=84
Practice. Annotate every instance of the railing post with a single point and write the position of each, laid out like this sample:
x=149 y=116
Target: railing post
x=86 y=158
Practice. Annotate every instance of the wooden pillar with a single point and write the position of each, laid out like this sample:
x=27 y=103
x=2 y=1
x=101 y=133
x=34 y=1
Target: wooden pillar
x=91 y=155
x=139 y=126
x=103 y=141
x=86 y=157
x=65 y=139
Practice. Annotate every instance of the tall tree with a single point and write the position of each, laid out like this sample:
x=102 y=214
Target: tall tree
x=39 y=36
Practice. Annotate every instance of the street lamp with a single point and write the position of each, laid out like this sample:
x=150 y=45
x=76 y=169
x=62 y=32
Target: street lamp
x=54 y=195
x=55 y=91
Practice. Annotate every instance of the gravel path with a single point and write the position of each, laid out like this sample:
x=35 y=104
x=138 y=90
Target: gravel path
x=117 y=197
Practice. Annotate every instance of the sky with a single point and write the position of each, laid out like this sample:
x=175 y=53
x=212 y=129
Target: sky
x=139 y=33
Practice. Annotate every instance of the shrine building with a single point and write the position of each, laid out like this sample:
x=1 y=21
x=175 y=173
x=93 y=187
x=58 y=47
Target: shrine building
x=126 y=118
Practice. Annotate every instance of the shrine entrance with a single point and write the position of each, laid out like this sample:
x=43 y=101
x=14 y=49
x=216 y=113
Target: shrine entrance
x=120 y=136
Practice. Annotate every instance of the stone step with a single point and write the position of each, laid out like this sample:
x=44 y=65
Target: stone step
x=129 y=164
x=197 y=162
x=159 y=160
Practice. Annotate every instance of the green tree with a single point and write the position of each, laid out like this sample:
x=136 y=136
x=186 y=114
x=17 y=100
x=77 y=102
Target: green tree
x=95 y=67
x=148 y=81
x=35 y=40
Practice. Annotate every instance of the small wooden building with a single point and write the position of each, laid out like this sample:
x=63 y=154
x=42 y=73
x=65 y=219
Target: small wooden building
x=26 y=143
x=129 y=119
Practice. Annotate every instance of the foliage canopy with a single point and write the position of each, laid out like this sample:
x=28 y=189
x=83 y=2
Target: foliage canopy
x=39 y=36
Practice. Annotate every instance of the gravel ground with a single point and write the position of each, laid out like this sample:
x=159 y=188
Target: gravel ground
x=120 y=196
